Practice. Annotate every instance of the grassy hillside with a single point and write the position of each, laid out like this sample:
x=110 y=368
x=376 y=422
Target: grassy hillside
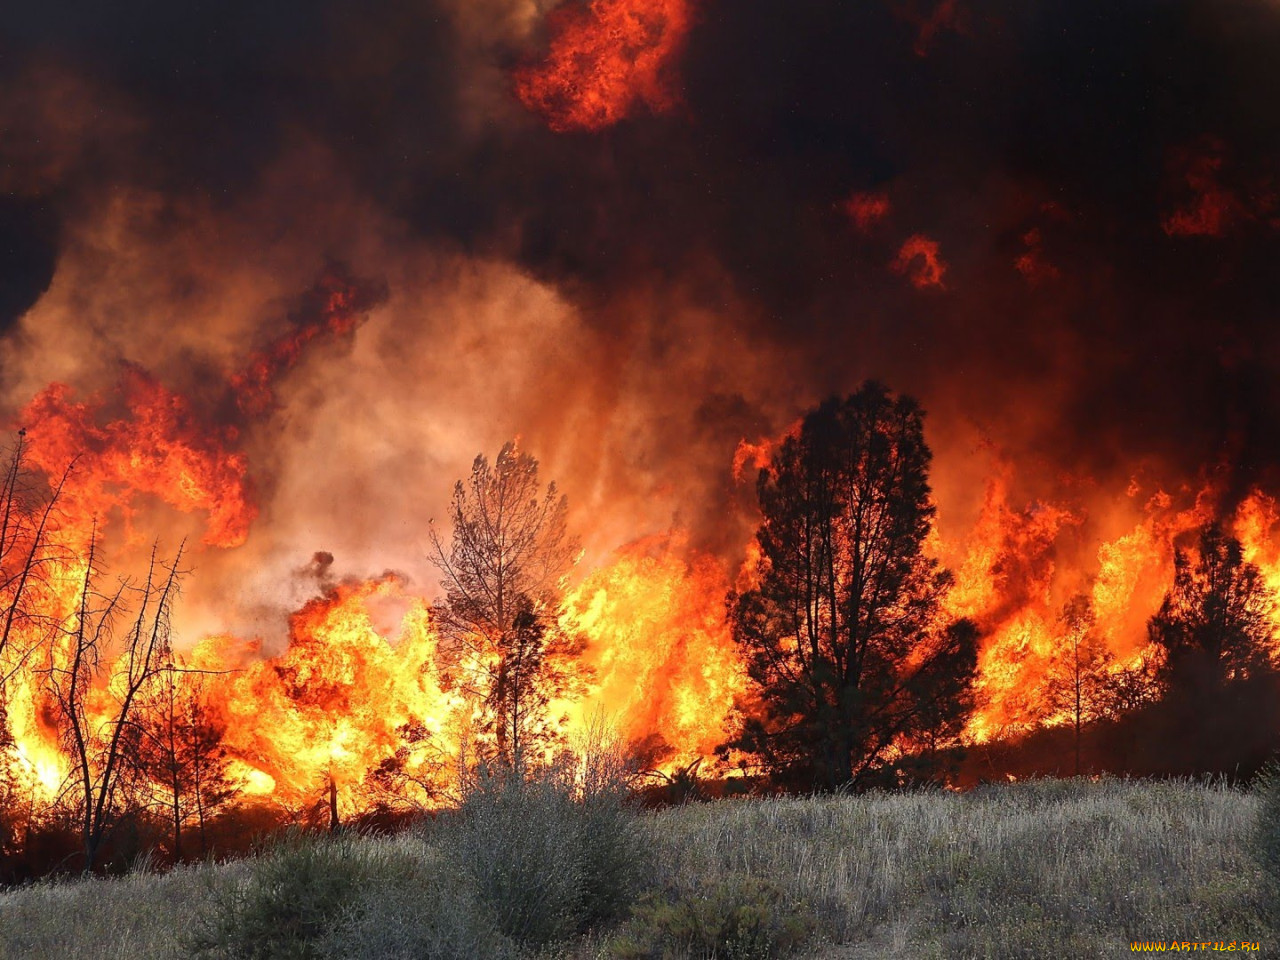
x=1053 y=868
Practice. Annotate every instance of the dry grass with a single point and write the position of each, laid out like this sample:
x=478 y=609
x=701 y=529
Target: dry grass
x=1061 y=868
x=1056 y=868
x=141 y=916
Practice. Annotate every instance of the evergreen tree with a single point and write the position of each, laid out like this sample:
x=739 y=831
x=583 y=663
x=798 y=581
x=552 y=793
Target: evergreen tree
x=1220 y=709
x=1078 y=676
x=855 y=674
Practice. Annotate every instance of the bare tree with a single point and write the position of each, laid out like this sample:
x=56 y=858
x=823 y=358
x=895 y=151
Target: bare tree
x=28 y=509
x=502 y=573
x=30 y=611
x=81 y=665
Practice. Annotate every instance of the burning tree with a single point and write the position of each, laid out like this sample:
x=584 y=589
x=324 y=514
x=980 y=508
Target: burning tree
x=502 y=575
x=176 y=743
x=27 y=552
x=29 y=555
x=1217 y=631
x=96 y=697
x=1217 y=623
x=842 y=635
x=1078 y=675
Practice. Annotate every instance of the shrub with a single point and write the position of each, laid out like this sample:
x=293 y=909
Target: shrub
x=291 y=896
x=548 y=860
x=436 y=916
x=1267 y=833
x=738 y=917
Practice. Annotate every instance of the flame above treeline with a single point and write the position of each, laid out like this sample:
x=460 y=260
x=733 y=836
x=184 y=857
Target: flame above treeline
x=361 y=687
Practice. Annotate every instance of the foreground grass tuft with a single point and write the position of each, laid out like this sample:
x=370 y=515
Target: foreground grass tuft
x=346 y=897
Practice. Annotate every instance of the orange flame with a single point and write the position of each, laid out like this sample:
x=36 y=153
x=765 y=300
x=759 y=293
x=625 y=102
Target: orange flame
x=363 y=683
x=331 y=706
x=664 y=666
x=155 y=445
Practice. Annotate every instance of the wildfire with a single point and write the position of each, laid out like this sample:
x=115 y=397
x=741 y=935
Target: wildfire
x=365 y=703
x=333 y=705
x=1010 y=583
x=155 y=446
x=145 y=439
x=663 y=666
x=605 y=58
x=362 y=672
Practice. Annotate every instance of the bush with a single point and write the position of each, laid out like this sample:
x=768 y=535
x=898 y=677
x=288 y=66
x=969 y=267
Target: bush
x=435 y=916
x=290 y=898
x=346 y=899
x=548 y=860
x=1267 y=833
x=738 y=917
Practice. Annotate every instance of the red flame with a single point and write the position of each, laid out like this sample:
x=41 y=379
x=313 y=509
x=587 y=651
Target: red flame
x=919 y=260
x=606 y=58
x=1213 y=209
x=337 y=307
x=148 y=441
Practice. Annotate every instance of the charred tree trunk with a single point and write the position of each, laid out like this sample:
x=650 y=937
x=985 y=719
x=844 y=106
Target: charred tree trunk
x=334 y=823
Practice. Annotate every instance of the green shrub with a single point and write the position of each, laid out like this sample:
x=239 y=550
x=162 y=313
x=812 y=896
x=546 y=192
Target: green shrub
x=1267 y=833
x=547 y=861
x=436 y=915
x=738 y=917
x=615 y=856
x=290 y=898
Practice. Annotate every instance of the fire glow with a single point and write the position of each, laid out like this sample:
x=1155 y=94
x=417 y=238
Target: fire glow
x=362 y=666
x=276 y=317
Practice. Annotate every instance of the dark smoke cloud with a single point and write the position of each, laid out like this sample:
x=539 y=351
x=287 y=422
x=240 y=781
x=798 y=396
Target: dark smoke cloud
x=28 y=253
x=1063 y=117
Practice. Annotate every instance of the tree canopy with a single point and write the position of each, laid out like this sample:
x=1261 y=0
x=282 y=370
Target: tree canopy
x=854 y=668
x=1220 y=708
x=1217 y=623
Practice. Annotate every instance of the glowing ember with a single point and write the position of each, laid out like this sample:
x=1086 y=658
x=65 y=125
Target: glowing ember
x=1032 y=263
x=1212 y=209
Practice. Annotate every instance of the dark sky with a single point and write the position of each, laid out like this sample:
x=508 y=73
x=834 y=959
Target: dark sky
x=1102 y=181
